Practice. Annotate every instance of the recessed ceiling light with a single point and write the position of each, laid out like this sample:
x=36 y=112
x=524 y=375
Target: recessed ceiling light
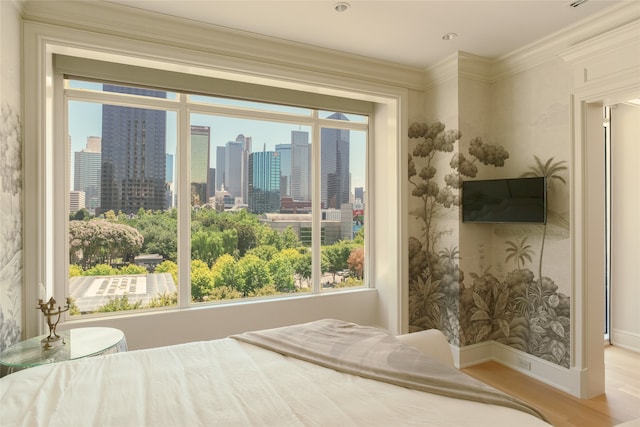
x=341 y=6
x=449 y=36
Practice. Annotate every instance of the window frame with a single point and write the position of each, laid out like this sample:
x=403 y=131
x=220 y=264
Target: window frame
x=184 y=107
x=384 y=304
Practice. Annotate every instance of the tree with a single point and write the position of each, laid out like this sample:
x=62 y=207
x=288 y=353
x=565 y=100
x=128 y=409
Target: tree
x=264 y=252
x=270 y=237
x=168 y=267
x=81 y=215
x=302 y=267
x=206 y=246
x=202 y=280
x=282 y=270
x=101 y=270
x=225 y=273
x=334 y=257
x=359 y=236
x=254 y=274
x=519 y=252
x=100 y=241
x=290 y=239
x=356 y=262
x=160 y=232
x=551 y=171
x=431 y=141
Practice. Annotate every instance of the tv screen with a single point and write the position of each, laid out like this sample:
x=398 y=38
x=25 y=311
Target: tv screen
x=517 y=200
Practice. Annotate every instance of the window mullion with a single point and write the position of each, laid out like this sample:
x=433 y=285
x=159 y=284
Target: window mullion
x=316 y=217
x=183 y=160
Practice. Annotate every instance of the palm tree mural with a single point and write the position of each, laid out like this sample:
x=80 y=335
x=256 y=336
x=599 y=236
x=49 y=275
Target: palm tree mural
x=551 y=171
x=519 y=252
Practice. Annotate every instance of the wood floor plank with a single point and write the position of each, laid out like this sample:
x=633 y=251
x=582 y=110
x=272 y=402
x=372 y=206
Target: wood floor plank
x=620 y=403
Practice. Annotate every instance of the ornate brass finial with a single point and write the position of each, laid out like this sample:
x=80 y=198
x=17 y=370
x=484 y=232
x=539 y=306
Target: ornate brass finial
x=50 y=312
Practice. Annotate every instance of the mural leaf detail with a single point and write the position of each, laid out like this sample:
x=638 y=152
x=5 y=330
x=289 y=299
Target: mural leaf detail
x=501 y=302
x=477 y=299
x=480 y=315
x=558 y=350
x=557 y=328
x=504 y=327
x=483 y=332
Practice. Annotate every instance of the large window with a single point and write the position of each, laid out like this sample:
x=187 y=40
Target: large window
x=177 y=199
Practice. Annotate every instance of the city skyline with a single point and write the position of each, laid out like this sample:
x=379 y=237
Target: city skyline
x=85 y=121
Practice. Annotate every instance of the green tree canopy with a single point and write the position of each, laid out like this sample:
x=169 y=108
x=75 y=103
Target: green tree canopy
x=254 y=273
x=225 y=273
x=99 y=241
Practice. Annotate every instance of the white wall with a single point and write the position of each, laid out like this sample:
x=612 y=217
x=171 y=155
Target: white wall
x=625 y=176
x=155 y=329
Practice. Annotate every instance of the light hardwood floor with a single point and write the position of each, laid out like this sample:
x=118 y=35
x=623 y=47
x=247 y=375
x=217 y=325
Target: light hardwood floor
x=620 y=403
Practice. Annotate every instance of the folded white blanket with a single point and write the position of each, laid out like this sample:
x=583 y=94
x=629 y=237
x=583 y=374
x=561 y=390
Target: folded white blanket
x=375 y=354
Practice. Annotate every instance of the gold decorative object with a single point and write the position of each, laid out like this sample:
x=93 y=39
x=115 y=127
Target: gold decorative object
x=50 y=311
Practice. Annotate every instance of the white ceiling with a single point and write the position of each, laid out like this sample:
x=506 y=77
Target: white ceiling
x=404 y=32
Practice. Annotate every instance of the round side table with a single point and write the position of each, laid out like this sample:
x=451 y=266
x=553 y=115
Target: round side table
x=79 y=342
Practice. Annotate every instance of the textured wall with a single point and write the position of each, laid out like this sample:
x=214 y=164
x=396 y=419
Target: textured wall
x=10 y=177
x=480 y=282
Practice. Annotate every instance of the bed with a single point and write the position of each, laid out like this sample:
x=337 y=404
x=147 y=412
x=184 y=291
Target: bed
x=322 y=373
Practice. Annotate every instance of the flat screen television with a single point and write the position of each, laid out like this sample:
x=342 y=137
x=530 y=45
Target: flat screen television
x=515 y=200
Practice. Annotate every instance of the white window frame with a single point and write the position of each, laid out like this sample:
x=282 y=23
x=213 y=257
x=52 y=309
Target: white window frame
x=384 y=304
x=183 y=108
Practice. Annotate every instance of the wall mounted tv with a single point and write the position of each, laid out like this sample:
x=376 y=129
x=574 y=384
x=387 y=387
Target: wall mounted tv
x=516 y=200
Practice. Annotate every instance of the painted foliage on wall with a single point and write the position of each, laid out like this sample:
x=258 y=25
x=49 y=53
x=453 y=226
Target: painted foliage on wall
x=10 y=226
x=516 y=308
x=435 y=277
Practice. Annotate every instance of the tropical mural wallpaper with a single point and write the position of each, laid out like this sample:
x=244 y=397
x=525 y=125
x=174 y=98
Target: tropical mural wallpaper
x=10 y=226
x=515 y=303
x=10 y=177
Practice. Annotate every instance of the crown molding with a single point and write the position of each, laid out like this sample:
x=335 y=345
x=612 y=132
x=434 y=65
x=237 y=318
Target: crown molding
x=442 y=72
x=127 y=22
x=458 y=65
x=622 y=37
x=475 y=67
x=555 y=44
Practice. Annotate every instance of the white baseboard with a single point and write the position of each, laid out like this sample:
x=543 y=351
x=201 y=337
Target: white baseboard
x=625 y=339
x=567 y=380
x=474 y=354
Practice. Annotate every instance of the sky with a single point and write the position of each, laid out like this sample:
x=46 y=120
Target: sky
x=85 y=120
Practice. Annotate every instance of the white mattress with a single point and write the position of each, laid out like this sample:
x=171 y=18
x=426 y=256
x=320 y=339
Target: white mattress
x=229 y=383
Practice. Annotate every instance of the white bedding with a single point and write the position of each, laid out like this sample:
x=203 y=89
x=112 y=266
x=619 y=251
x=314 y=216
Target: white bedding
x=229 y=383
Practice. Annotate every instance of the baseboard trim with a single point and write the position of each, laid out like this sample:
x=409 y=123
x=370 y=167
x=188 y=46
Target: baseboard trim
x=625 y=339
x=556 y=376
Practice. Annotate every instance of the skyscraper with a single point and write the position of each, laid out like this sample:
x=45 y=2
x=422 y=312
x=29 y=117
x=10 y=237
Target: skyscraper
x=233 y=168
x=169 y=186
x=285 y=168
x=246 y=151
x=76 y=201
x=133 y=172
x=334 y=165
x=300 y=165
x=211 y=184
x=264 y=182
x=220 y=175
x=200 y=149
x=86 y=173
